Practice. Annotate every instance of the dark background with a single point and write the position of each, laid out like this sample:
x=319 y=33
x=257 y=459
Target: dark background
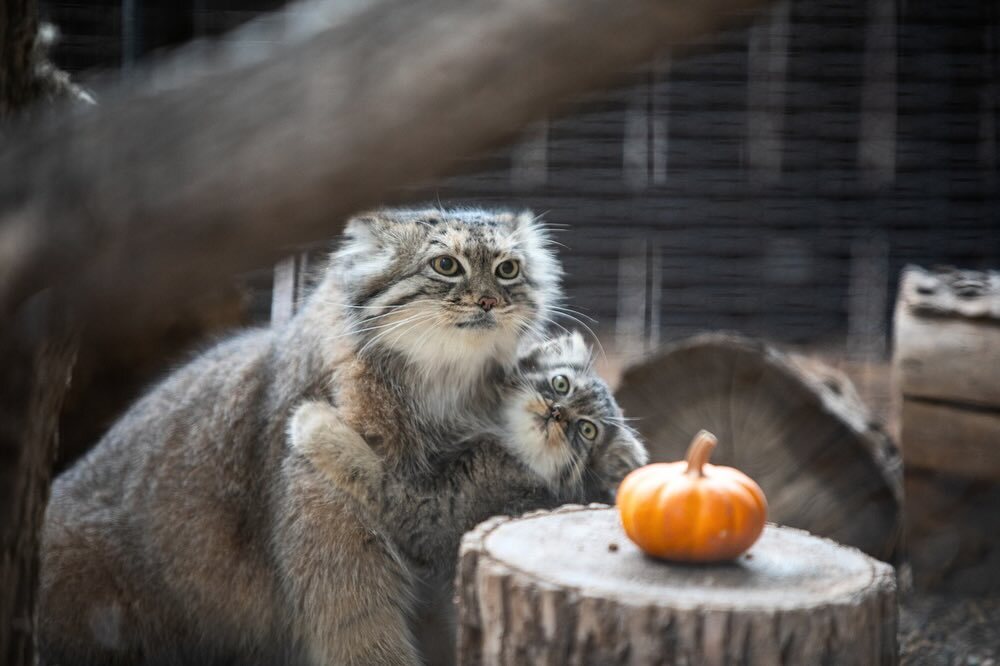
x=775 y=183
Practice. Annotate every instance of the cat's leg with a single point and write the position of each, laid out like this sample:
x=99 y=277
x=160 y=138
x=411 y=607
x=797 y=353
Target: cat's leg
x=317 y=432
x=84 y=617
x=349 y=593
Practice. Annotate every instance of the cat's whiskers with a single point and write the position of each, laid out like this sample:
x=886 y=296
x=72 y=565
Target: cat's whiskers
x=564 y=308
x=358 y=331
x=422 y=340
x=579 y=321
x=392 y=327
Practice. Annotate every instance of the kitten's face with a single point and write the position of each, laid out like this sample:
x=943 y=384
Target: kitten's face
x=562 y=419
x=447 y=288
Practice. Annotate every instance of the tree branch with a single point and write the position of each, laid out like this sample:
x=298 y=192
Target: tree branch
x=221 y=157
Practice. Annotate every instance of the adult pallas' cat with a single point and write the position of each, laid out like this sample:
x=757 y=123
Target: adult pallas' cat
x=192 y=533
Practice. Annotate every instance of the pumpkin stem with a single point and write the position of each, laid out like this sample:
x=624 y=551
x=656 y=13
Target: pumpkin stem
x=700 y=451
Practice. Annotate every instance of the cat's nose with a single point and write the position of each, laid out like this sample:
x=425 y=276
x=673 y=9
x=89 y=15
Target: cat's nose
x=487 y=303
x=556 y=412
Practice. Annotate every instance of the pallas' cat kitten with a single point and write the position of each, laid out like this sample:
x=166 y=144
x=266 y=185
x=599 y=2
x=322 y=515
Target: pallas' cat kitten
x=557 y=417
x=193 y=534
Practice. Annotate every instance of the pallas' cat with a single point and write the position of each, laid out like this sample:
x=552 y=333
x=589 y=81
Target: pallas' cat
x=192 y=533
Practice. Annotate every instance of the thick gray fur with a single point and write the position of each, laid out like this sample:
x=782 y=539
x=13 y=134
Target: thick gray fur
x=192 y=534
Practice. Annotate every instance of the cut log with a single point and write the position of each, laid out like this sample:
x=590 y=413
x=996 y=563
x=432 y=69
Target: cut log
x=947 y=336
x=794 y=425
x=568 y=587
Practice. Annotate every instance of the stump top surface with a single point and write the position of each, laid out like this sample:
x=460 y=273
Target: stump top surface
x=588 y=550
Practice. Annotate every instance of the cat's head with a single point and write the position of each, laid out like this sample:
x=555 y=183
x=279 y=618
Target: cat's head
x=562 y=420
x=446 y=288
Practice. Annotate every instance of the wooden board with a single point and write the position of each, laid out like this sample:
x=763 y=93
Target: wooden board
x=568 y=587
x=793 y=424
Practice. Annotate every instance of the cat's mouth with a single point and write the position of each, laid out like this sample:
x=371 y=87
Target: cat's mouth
x=480 y=320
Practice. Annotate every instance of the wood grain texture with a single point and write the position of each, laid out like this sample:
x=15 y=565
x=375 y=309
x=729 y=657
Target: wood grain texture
x=793 y=424
x=568 y=587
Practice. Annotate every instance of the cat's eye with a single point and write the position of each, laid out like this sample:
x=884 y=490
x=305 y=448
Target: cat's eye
x=587 y=429
x=445 y=265
x=560 y=384
x=508 y=270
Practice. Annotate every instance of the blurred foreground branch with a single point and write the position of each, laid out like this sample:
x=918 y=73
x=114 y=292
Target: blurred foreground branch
x=220 y=157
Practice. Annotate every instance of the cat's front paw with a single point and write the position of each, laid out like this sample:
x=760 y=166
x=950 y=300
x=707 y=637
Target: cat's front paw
x=311 y=421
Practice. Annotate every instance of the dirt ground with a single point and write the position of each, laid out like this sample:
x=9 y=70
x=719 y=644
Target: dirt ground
x=940 y=629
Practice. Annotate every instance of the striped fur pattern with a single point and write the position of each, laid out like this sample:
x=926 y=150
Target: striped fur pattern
x=192 y=533
x=562 y=420
x=396 y=304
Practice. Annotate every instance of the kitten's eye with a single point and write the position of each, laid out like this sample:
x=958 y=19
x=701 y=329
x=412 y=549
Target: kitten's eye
x=508 y=270
x=588 y=429
x=446 y=265
x=560 y=384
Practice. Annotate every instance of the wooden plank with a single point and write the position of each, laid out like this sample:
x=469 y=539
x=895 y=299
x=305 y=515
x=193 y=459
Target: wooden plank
x=951 y=439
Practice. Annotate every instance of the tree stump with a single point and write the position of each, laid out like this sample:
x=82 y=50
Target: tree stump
x=568 y=587
x=796 y=426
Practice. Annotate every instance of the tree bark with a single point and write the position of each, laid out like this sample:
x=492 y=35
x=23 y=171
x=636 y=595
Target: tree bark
x=18 y=84
x=568 y=587
x=222 y=157
x=37 y=369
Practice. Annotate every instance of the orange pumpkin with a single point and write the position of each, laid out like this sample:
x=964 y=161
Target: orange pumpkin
x=692 y=511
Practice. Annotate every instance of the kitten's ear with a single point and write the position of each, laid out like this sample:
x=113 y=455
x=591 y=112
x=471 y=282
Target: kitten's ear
x=575 y=350
x=568 y=349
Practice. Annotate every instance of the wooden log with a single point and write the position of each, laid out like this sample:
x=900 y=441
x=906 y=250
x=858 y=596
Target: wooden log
x=947 y=336
x=793 y=424
x=946 y=351
x=950 y=438
x=951 y=532
x=568 y=587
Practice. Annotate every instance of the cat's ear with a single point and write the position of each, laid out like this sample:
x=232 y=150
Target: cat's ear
x=530 y=231
x=365 y=249
x=368 y=230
